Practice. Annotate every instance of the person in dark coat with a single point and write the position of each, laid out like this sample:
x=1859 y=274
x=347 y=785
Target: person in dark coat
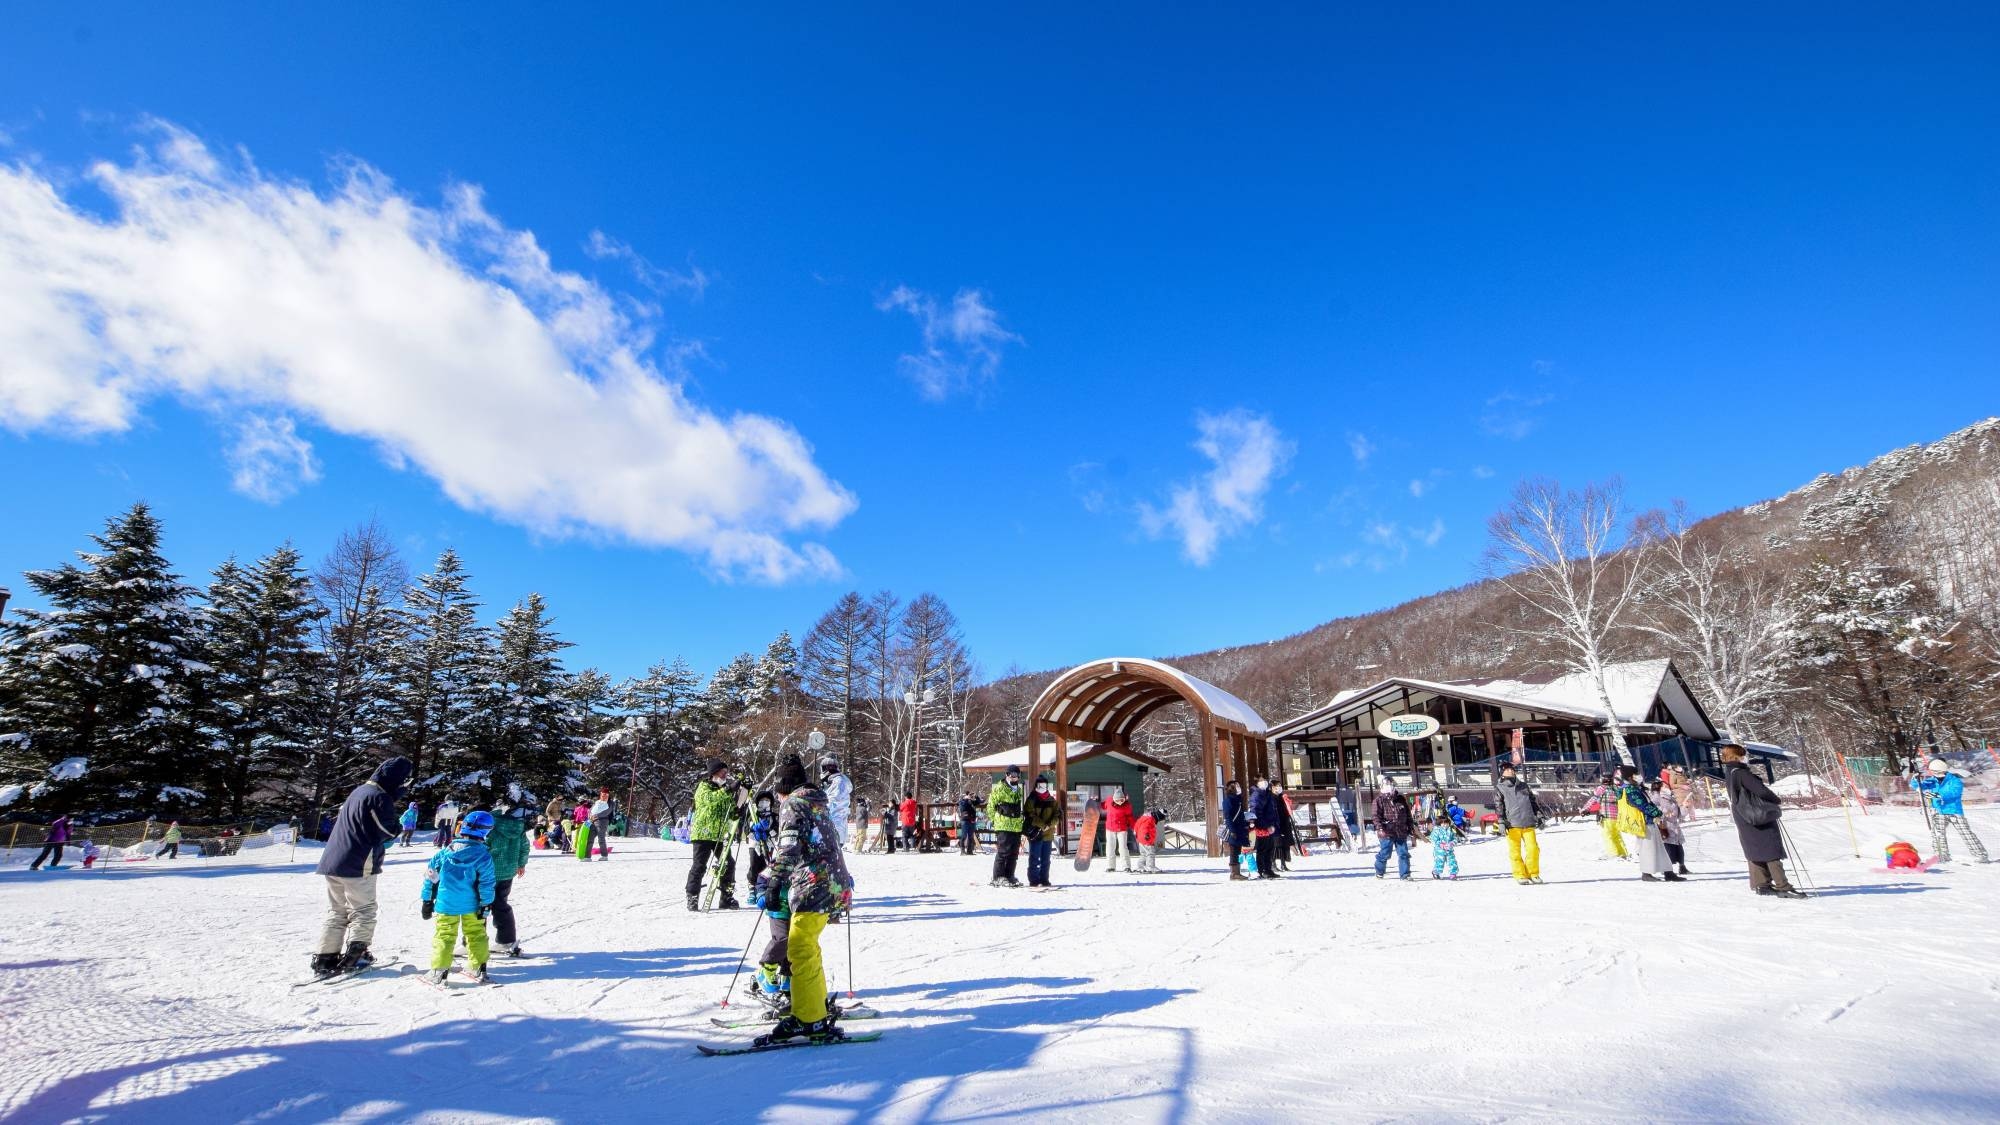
x=1235 y=828
x=968 y=825
x=1756 y=810
x=1265 y=820
x=1393 y=825
x=351 y=861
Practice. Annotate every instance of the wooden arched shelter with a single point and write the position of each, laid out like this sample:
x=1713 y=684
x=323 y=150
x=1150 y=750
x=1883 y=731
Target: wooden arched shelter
x=1106 y=700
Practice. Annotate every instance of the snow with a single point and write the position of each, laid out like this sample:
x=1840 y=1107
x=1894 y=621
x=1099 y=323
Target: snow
x=69 y=769
x=11 y=793
x=1330 y=996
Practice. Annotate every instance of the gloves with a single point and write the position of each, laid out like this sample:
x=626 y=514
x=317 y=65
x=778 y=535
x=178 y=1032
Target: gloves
x=480 y=914
x=429 y=909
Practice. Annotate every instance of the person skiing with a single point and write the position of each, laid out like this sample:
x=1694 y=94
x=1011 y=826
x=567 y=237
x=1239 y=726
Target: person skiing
x=445 y=820
x=1651 y=847
x=507 y=843
x=1944 y=791
x=1520 y=817
x=1444 y=837
x=1671 y=836
x=810 y=867
x=716 y=799
x=350 y=862
x=1756 y=811
x=839 y=796
x=906 y=816
x=170 y=843
x=1041 y=820
x=772 y=984
x=1003 y=812
x=458 y=888
x=968 y=825
x=53 y=839
x=1604 y=802
x=408 y=824
x=601 y=812
x=1394 y=826
x=1264 y=822
x=1235 y=828
x=1147 y=831
x=1118 y=817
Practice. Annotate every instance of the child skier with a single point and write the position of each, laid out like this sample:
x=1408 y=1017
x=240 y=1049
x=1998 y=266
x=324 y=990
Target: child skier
x=89 y=852
x=763 y=828
x=458 y=889
x=772 y=986
x=170 y=844
x=807 y=863
x=408 y=824
x=1147 y=831
x=1444 y=848
x=1944 y=791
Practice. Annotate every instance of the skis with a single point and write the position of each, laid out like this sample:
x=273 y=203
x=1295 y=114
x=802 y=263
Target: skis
x=767 y=1019
x=341 y=978
x=725 y=860
x=1086 y=840
x=760 y=1048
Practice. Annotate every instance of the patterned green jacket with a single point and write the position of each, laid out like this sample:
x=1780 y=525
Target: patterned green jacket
x=713 y=807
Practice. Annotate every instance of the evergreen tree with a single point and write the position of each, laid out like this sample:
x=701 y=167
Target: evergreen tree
x=776 y=683
x=439 y=653
x=95 y=691
x=533 y=721
x=256 y=707
x=353 y=700
x=655 y=753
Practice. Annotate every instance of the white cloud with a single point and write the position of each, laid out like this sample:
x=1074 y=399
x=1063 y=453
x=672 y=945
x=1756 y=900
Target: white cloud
x=1389 y=543
x=1247 y=453
x=1361 y=447
x=1513 y=415
x=961 y=343
x=1419 y=487
x=694 y=282
x=1482 y=472
x=441 y=336
x=270 y=461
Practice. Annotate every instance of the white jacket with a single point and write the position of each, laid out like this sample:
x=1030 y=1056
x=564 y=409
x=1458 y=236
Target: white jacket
x=839 y=797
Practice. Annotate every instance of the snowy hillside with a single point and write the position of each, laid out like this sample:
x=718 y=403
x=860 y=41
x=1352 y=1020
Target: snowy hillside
x=160 y=993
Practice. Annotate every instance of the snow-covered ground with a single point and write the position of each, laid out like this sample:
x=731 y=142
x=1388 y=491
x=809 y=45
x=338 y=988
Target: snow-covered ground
x=159 y=993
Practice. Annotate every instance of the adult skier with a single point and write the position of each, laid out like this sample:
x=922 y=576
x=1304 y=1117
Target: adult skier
x=53 y=839
x=1235 y=828
x=1393 y=824
x=1520 y=816
x=839 y=796
x=1264 y=823
x=350 y=862
x=1003 y=812
x=1944 y=791
x=458 y=889
x=508 y=845
x=1041 y=819
x=1118 y=817
x=808 y=864
x=716 y=798
x=170 y=844
x=1756 y=810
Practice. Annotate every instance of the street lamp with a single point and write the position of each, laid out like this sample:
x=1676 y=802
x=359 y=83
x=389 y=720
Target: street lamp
x=912 y=699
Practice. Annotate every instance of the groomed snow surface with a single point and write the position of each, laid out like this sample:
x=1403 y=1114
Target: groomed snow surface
x=158 y=993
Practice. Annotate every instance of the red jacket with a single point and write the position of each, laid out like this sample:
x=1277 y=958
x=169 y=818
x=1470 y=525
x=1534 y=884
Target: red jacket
x=1148 y=831
x=907 y=812
x=1117 y=816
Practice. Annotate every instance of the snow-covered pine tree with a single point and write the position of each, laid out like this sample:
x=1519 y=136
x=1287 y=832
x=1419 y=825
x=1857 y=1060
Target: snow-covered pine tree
x=653 y=755
x=96 y=691
x=776 y=683
x=439 y=653
x=256 y=707
x=534 y=727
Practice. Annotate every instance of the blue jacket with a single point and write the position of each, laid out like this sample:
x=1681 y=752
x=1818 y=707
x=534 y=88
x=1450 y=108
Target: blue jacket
x=460 y=880
x=1264 y=809
x=1234 y=824
x=1946 y=794
x=366 y=823
x=409 y=820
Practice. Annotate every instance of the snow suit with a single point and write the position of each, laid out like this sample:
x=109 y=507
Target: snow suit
x=1393 y=825
x=808 y=864
x=1902 y=855
x=1444 y=849
x=1670 y=829
x=408 y=824
x=352 y=857
x=1003 y=812
x=714 y=807
x=1519 y=818
x=839 y=799
x=1041 y=822
x=52 y=843
x=1147 y=831
x=1947 y=800
x=508 y=845
x=89 y=854
x=1264 y=819
x=458 y=887
x=1117 y=822
x=1605 y=797
x=1756 y=810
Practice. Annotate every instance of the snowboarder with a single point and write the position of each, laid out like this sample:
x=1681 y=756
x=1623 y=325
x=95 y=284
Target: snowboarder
x=508 y=845
x=839 y=795
x=350 y=862
x=808 y=863
x=170 y=844
x=445 y=820
x=458 y=889
x=1264 y=820
x=1040 y=822
x=1003 y=812
x=408 y=824
x=968 y=825
x=1756 y=810
x=1118 y=816
x=601 y=812
x=1520 y=816
x=1671 y=835
x=716 y=799
x=1945 y=793
x=1651 y=846
x=1444 y=839
x=1604 y=802
x=1235 y=829
x=1394 y=825
x=53 y=839
x=1147 y=831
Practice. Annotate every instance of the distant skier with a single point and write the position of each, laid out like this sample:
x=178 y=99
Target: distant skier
x=1264 y=822
x=1235 y=829
x=1520 y=817
x=508 y=845
x=458 y=888
x=715 y=804
x=53 y=839
x=1118 y=817
x=408 y=824
x=350 y=862
x=1004 y=813
x=809 y=865
x=1040 y=822
x=1147 y=831
x=1944 y=791
x=839 y=796
x=170 y=843
x=1604 y=802
x=968 y=825
x=601 y=812
x=445 y=820
x=1394 y=826
x=1756 y=811
x=1671 y=835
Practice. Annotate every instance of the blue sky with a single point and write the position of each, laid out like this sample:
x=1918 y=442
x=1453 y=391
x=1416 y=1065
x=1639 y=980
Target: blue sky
x=1125 y=330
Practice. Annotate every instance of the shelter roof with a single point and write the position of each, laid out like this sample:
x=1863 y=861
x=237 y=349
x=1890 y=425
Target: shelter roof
x=1112 y=697
x=1077 y=752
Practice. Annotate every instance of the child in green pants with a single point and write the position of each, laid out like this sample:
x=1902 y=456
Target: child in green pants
x=458 y=888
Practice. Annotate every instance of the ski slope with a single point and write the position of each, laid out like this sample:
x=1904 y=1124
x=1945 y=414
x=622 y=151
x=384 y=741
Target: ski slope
x=160 y=993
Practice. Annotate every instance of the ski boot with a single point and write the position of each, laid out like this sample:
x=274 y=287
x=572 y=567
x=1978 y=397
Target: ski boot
x=792 y=1027
x=437 y=976
x=514 y=951
x=480 y=976
x=694 y=903
x=325 y=965
x=728 y=903
x=356 y=958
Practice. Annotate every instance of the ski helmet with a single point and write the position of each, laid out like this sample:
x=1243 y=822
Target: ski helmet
x=1938 y=766
x=829 y=764
x=477 y=825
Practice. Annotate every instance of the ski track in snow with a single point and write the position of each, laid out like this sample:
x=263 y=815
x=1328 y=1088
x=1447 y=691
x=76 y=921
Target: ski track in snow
x=162 y=993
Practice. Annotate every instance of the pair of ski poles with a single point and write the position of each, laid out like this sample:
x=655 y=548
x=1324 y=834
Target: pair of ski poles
x=847 y=922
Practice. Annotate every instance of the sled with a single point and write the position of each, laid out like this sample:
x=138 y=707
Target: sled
x=583 y=840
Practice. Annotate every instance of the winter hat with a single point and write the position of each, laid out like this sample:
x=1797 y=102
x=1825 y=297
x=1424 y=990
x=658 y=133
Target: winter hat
x=1506 y=767
x=1939 y=767
x=791 y=775
x=829 y=764
x=716 y=766
x=1013 y=772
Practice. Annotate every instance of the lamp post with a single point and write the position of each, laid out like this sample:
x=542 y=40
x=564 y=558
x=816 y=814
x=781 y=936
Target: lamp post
x=917 y=702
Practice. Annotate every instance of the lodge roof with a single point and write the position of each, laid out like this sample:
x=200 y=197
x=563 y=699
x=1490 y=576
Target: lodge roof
x=1076 y=751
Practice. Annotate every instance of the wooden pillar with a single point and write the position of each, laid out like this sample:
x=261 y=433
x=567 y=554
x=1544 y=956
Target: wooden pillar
x=1062 y=768
x=1034 y=755
x=1209 y=767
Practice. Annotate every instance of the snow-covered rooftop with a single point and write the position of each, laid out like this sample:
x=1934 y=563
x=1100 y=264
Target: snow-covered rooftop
x=1218 y=702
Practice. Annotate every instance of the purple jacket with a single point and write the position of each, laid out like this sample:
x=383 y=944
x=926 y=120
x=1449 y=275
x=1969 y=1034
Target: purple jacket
x=58 y=832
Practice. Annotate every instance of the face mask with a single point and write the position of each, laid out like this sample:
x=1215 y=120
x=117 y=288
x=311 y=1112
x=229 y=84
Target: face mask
x=1263 y=785
x=1042 y=789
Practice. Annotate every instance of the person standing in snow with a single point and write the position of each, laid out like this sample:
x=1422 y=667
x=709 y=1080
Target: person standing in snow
x=89 y=852
x=556 y=814
x=1945 y=793
x=601 y=812
x=53 y=839
x=1146 y=830
x=1040 y=822
x=1651 y=847
x=1117 y=822
x=170 y=844
x=1444 y=837
x=1235 y=828
x=508 y=845
x=808 y=864
x=458 y=888
x=968 y=825
x=1756 y=811
x=906 y=816
x=1520 y=816
x=839 y=796
x=408 y=824
x=1393 y=825
x=1671 y=836
x=350 y=862
x=1264 y=820
x=1003 y=812
x=1288 y=825
x=1604 y=799
x=445 y=820
x=717 y=798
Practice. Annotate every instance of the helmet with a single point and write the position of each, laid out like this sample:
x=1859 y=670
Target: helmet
x=477 y=825
x=829 y=764
x=1939 y=767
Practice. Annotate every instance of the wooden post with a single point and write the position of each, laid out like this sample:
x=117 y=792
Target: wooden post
x=1062 y=789
x=1034 y=756
x=1209 y=783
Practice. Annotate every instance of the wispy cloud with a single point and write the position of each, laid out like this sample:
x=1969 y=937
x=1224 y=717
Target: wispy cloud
x=1418 y=487
x=1482 y=472
x=1246 y=453
x=694 y=281
x=961 y=342
x=1361 y=448
x=434 y=332
x=1387 y=543
x=1512 y=414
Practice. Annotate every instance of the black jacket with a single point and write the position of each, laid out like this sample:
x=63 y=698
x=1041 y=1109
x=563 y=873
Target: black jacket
x=1750 y=800
x=366 y=824
x=1234 y=823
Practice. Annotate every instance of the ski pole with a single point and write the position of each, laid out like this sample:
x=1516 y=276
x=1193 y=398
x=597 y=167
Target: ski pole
x=740 y=960
x=1792 y=847
x=849 y=922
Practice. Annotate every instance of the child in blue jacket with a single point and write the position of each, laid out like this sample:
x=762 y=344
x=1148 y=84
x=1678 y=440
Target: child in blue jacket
x=458 y=887
x=1945 y=792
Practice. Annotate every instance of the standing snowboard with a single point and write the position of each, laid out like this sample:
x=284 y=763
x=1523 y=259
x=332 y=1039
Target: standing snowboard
x=583 y=840
x=1086 y=840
